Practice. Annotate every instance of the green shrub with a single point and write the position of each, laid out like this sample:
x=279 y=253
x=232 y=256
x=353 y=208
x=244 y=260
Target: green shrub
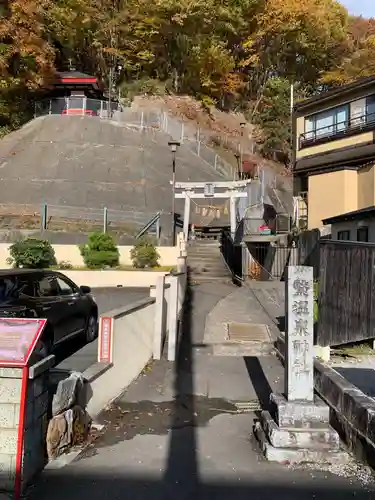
x=100 y=251
x=144 y=254
x=65 y=264
x=32 y=253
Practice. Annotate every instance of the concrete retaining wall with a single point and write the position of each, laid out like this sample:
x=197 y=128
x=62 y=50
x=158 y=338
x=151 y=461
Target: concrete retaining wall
x=142 y=279
x=71 y=253
x=133 y=334
x=130 y=336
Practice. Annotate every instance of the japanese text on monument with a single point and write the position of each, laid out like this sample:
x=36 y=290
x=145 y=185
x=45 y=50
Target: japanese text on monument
x=302 y=288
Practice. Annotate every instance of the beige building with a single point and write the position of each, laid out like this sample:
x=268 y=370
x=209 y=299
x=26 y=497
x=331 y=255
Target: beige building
x=358 y=225
x=334 y=152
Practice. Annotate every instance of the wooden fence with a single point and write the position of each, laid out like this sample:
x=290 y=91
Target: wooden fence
x=309 y=250
x=346 y=292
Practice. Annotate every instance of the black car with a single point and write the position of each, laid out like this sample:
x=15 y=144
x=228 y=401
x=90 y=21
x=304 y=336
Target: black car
x=70 y=310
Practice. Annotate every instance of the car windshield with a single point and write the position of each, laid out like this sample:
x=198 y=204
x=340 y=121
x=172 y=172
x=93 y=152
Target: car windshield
x=12 y=287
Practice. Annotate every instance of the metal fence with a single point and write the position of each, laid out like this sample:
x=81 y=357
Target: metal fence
x=179 y=131
x=75 y=106
x=196 y=139
x=199 y=140
x=157 y=119
x=74 y=219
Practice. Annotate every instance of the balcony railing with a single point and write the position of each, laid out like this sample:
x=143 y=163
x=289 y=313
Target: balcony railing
x=338 y=130
x=75 y=106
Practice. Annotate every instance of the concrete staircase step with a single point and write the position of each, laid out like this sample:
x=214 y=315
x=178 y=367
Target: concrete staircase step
x=206 y=267
x=196 y=279
x=209 y=272
x=214 y=251
x=205 y=262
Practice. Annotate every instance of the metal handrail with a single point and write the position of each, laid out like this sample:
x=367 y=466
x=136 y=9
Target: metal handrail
x=155 y=220
x=354 y=123
x=74 y=105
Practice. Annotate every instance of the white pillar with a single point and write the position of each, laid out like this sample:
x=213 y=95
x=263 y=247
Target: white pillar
x=186 y=216
x=159 y=317
x=233 y=219
x=173 y=318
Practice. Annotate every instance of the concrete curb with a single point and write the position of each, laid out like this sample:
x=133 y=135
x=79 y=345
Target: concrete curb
x=352 y=412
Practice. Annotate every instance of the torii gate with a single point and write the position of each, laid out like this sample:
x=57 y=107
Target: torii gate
x=205 y=190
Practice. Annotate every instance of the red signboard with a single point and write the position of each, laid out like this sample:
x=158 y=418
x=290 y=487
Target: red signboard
x=18 y=338
x=105 y=339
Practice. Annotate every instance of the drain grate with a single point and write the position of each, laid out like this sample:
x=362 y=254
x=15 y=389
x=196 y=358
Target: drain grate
x=247 y=332
x=247 y=406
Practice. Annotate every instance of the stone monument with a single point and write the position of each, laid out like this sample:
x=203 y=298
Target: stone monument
x=298 y=430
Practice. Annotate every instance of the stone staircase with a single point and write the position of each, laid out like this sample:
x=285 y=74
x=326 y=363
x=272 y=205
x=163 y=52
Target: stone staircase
x=205 y=262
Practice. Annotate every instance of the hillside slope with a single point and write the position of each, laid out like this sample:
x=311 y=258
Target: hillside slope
x=88 y=162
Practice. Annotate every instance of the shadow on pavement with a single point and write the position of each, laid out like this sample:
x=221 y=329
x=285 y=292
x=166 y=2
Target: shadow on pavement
x=259 y=380
x=110 y=486
x=181 y=479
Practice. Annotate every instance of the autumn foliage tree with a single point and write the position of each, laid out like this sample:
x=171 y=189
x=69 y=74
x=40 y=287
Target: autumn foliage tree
x=230 y=53
x=26 y=57
x=359 y=61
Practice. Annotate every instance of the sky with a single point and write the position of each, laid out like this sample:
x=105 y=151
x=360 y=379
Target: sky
x=358 y=7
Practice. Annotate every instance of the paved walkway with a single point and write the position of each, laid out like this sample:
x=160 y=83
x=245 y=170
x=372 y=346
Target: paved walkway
x=176 y=432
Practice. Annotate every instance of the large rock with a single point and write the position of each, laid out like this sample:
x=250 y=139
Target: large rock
x=70 y=392
x=67 y=429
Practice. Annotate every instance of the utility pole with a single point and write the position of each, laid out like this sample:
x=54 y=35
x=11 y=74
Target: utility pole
x=173 y=145
x=110 y=91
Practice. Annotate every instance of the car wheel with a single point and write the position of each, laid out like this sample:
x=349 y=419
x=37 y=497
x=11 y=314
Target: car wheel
x=91 y=328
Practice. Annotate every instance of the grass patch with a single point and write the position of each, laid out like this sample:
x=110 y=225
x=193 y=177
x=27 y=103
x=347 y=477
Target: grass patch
x=364 y=348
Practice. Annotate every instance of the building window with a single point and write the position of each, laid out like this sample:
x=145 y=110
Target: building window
x=370 y=109
x=352 y=116
x=326 y=123
x=362 y=234
x=343 y=235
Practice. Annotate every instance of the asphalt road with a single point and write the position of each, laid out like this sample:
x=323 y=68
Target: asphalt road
x=75 y=355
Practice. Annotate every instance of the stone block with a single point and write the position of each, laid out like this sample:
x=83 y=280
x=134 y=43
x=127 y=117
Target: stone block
x=10 y=390
x=29 y=415
x=9 y=416
x=6 y=372
x=299 y=438
x=7 y=471
x=7 y=465
x=299 y=455
x=8 y=441
x=300 y=414
x=32 y=438
x=33 y=462
x=36 y=387
x=40 y=405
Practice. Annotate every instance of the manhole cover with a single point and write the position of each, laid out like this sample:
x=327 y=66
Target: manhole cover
x=247 y=406
x=247 y=332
